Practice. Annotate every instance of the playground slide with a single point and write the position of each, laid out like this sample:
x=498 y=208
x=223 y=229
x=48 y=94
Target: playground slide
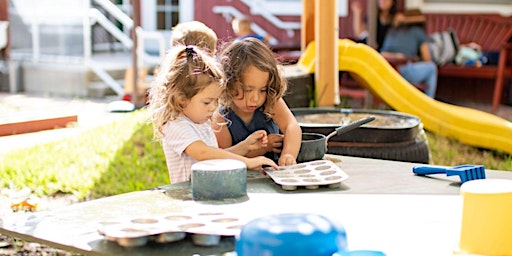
x=369 y=68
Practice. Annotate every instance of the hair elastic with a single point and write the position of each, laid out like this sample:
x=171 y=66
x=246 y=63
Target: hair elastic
x=189 y=50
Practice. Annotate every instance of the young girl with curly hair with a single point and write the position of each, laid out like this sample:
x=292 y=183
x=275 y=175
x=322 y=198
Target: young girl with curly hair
x=252 y=103
x=182 y=100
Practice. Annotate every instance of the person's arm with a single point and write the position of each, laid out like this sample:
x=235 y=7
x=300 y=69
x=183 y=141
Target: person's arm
x=291 y=130
x=358 y=26
x=257 y=141
x=401 y=19
x=425 y=52
x=414 y=19
x=200 y=151
x=220 y=128
x=397 y=56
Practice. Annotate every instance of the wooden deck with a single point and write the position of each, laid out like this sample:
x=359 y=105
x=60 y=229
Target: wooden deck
x=36 y=124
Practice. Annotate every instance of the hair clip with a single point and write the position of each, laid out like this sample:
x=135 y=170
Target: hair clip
x=189 y=50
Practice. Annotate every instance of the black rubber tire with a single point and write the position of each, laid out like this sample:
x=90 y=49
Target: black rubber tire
x=415 y=152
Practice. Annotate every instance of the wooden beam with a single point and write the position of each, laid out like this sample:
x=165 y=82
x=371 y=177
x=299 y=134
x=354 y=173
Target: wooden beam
x=307 y=32
x=137 y=99
x=326 y=38
x=20 y=127
x=4 y=16
x=372 y=14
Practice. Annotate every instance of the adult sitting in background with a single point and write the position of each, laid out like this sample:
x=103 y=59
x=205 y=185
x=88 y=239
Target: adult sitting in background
x=386 y=13
x=242 y=28
x=407 y=43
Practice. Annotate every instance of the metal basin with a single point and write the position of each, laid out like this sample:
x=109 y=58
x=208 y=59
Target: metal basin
x=314 y=145
x=388 y=126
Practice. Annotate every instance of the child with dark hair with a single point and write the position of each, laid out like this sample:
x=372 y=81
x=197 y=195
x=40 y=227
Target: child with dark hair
x=253 y=103
x=182 y=100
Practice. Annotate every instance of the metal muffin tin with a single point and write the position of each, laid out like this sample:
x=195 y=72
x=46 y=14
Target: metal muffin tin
x=254 y=175
x=310 y=175
x=206 y=228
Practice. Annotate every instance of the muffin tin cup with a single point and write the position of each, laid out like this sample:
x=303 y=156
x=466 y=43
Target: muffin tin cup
x=310 y=175
x=206 y=229
x=205 y=239
x=168 y=237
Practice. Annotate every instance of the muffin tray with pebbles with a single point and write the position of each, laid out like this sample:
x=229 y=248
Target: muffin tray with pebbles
x=310 y=175
x=205 y=229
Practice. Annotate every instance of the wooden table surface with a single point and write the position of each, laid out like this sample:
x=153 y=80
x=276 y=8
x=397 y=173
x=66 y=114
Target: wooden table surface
x=382 y=205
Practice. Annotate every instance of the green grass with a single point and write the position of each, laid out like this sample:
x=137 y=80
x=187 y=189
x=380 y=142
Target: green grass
x=449 y=152
x=110 y=159
x=122 y=156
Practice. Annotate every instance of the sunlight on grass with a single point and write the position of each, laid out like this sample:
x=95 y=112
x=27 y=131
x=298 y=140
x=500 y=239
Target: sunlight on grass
x=449 y=152
x=76 y=165
x=122 y=156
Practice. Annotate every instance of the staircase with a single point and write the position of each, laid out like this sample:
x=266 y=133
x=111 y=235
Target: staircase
x=96 y=72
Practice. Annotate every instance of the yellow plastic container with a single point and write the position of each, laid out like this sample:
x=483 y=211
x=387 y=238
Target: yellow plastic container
x=486 y=217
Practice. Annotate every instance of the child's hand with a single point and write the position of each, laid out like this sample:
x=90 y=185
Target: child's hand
x=275 y=143
x=257 y=140
x=258 y=162
x=286 y=159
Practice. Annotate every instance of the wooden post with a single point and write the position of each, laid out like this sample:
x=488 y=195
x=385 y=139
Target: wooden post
x=326 y=66
x=137 y=100
x=372 y=23
x=307 y=32
x=4 y=16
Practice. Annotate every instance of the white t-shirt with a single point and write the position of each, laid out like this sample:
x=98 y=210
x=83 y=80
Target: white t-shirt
x=178 y=135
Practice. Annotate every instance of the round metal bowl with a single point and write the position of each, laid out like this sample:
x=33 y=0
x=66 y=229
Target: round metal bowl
x=388 y=126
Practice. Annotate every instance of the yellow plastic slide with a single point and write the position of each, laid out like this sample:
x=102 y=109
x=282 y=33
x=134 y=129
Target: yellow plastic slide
x=369 y=68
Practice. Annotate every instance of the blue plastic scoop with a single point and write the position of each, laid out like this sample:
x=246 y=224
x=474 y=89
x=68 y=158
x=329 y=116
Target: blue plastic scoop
x=466 y=172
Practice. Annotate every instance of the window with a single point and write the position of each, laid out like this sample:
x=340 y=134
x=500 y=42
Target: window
x=167 y=14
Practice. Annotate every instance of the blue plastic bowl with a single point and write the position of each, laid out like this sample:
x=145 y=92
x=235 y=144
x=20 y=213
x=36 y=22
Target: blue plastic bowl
x=291 y=234
x=360 y=253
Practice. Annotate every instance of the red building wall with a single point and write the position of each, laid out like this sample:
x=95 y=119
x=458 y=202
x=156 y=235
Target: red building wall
x=203 y=12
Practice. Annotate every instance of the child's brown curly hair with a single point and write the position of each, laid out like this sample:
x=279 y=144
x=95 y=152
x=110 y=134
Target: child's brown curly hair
x=237 y=57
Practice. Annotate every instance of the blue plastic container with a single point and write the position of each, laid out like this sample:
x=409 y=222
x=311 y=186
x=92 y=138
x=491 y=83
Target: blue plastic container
x=291 y=234
x=360 y=253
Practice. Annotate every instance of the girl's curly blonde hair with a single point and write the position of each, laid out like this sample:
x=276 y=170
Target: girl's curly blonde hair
x=235 y=60
x=184 y=72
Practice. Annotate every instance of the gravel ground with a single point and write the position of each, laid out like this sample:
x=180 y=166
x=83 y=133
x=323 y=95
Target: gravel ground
x=12 y=245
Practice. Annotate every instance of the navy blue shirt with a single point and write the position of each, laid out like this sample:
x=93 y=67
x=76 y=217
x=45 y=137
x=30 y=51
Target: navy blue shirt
x=240 y=130
x=406 y=40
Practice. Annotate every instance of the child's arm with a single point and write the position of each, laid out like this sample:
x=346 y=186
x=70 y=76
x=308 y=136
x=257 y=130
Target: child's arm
x=291 y=131
x=256 y=141
x=200 y=151
x=221 y=130
x=250 y=147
